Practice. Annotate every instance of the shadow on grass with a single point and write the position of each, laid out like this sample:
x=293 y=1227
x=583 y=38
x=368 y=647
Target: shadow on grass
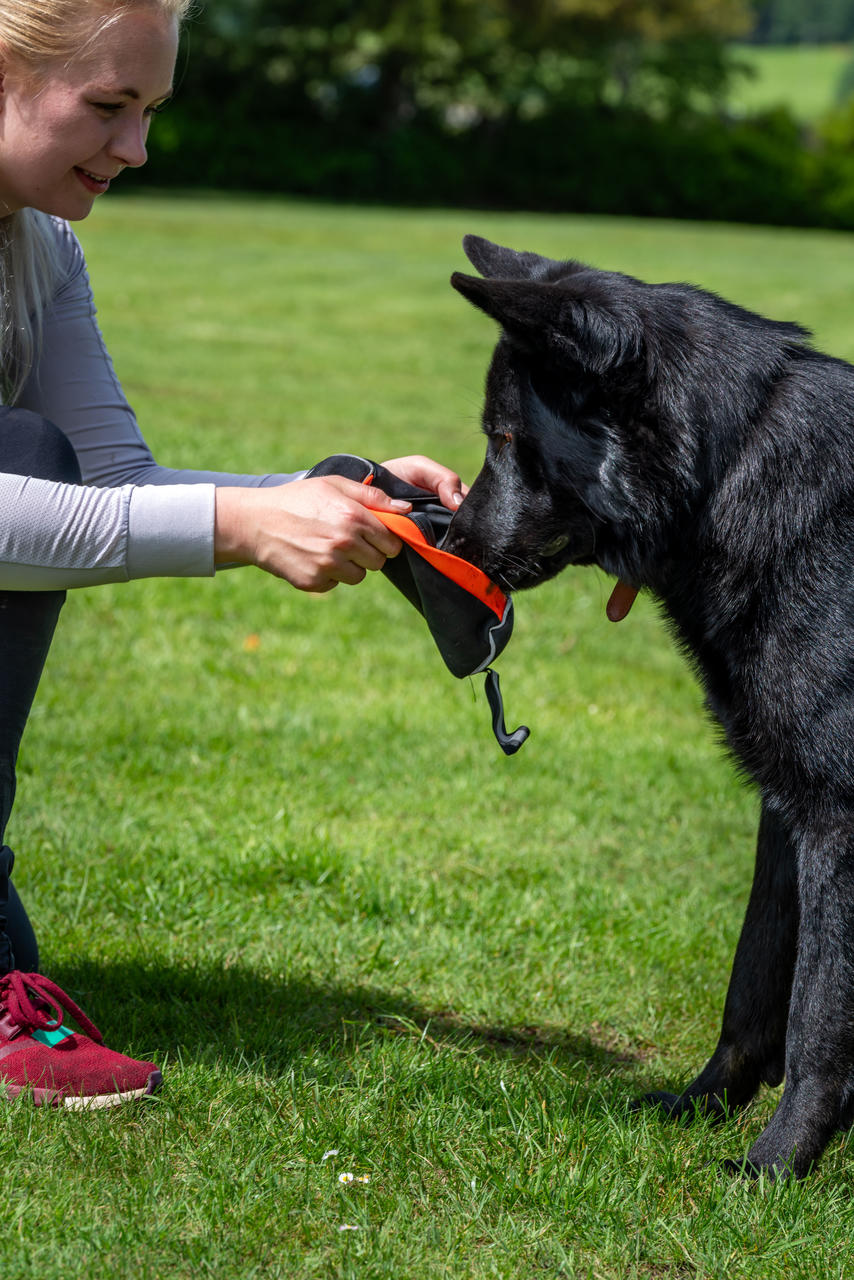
x=228 y=1011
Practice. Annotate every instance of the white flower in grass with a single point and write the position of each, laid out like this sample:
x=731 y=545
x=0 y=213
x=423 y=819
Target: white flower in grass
x=327 y=1155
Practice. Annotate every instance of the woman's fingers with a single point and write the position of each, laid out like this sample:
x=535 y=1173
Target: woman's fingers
x=432 y=476
x=313 y=533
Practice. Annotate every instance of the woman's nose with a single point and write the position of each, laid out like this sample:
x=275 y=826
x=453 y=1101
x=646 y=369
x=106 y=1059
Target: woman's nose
x=128 y=144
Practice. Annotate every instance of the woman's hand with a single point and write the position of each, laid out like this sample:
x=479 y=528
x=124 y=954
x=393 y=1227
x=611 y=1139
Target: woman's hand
x=432 y=476
x=313 y=533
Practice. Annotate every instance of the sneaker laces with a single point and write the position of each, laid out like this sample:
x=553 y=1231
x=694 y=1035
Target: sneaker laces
x=34 y=1003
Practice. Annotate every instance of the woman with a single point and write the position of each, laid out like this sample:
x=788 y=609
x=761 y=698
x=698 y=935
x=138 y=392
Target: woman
x=82 y=501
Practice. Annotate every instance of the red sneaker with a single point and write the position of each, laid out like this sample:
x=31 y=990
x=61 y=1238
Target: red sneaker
x=59 y=1066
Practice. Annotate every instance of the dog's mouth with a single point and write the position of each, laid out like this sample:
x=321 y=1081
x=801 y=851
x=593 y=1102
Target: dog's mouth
x=619 y=603
x=512 y=574
x=518 y=554
x=515 y=568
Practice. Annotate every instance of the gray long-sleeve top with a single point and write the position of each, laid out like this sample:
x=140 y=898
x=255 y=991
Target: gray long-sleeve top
x=130 y=518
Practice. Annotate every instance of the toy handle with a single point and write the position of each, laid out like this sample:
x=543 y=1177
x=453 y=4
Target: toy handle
x=508 y=742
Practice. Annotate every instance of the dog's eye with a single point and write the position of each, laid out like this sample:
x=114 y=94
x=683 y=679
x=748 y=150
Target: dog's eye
x=504 y=439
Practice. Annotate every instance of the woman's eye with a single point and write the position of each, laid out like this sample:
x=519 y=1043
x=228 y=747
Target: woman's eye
x=111 y=108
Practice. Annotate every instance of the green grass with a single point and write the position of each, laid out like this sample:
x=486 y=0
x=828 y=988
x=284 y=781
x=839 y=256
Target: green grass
x=299 y=872
x=805 y=78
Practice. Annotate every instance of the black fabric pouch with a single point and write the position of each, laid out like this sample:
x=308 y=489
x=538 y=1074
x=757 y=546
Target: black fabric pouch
x=469 y=617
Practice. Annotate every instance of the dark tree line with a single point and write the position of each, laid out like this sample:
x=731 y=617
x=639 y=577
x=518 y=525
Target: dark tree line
x=614 y=106
x=803 y=21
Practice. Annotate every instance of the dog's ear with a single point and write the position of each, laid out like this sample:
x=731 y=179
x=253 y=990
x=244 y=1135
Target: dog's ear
x=522 y=307
x=546 y=318
x=498 y=263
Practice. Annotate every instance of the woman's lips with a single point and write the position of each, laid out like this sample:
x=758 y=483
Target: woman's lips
x=91 y=181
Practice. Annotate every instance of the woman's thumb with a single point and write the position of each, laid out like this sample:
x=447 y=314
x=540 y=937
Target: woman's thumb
x=370 y=496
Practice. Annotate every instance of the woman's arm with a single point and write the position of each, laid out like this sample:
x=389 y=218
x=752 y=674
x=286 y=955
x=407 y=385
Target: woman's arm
x=54 y=536
x=74 y=385
x=143 y=520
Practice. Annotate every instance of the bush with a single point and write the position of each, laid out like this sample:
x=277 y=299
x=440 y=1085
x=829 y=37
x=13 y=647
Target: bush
x=593 y=159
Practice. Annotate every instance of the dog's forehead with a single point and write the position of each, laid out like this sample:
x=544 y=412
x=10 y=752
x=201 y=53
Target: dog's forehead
x=505 y=368
x=510 y=361
x=565 y=270
x=511 y=401
x=596 y=283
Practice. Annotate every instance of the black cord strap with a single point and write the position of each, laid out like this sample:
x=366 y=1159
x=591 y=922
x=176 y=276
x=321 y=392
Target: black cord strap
x=508 y=742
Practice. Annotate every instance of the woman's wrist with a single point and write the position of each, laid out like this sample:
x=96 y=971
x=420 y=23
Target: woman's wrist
x=232 y=541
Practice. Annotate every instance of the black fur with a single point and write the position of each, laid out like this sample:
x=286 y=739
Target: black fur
x=694 y=449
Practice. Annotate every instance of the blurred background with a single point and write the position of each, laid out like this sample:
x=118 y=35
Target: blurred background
x=714 y=109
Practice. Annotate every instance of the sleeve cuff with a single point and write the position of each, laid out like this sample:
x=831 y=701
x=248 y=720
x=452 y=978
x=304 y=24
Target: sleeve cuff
x=171 y=531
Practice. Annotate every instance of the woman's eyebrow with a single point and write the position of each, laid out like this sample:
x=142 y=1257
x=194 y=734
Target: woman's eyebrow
x=134 y=93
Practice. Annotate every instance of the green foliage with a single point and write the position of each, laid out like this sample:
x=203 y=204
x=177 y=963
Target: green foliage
x=596 y=158
x=391 y=63
x=270 y=842
x=834 y=166
x=603 y=108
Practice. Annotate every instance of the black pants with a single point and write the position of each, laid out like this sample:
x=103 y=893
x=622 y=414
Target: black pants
x=29 y=446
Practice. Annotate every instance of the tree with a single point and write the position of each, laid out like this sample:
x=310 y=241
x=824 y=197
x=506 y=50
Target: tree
x=385 y=62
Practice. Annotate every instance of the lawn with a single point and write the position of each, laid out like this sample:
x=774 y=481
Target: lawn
x=808 y=79
x=270 y=841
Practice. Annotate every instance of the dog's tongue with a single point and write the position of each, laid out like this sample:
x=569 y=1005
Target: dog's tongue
x=622 y=599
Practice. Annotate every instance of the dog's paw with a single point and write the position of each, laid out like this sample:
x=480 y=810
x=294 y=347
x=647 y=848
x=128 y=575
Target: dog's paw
x=669 y=1106
x=664 y=1102
x=751 y=1172
x=741 y=1169
x=681 y=1107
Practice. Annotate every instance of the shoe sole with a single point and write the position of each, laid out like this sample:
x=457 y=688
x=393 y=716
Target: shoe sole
x=84 y=1102
x=79 y=1102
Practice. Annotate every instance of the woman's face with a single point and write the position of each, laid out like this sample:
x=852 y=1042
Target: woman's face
x=67 y=132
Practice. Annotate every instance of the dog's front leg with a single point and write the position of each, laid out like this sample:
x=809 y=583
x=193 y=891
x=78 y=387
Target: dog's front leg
x=820 y=1039
x=751 y=1047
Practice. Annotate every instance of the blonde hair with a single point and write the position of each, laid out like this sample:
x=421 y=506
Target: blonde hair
x=38 y=34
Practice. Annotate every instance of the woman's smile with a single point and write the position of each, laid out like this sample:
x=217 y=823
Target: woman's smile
x=91 y=181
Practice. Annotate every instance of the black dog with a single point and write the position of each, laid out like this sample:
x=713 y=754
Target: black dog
x=694 y=449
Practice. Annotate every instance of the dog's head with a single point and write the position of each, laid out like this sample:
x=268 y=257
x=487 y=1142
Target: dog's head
x=610 y=405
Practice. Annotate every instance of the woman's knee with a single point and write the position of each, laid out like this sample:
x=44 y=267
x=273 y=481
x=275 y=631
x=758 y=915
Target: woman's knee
x=32 y=446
